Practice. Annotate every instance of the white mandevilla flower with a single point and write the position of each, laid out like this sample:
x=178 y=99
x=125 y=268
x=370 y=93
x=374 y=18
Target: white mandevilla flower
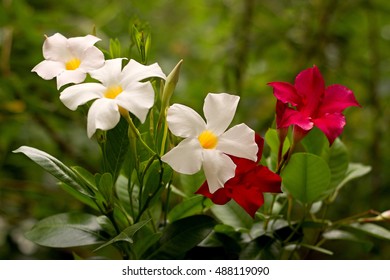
x=69 y=59
x=208 y=144
x=119 y=89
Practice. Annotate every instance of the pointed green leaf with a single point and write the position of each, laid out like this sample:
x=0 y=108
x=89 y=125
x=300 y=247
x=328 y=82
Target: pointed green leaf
x=66 y=230
x=315 y=142
x=272 y=139
x=115 y=148
x=87 y=200
x=233 y=215
x=306 y=177
x=144 y=239
x=56 y=168
x=316 y=248
x=106 y=187
x=188 y=207
x=373 y=230
x=355 y=170
x=126 y=235
x=338 y=160
x=181 y=236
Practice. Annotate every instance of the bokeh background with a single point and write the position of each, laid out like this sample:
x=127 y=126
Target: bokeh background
x=233 y=46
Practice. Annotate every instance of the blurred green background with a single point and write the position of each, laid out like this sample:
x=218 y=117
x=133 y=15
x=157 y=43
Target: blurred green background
x=233 y=46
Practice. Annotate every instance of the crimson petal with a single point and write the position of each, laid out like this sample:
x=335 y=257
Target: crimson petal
x=331 y=124
x=336 y=99
x=286 y=93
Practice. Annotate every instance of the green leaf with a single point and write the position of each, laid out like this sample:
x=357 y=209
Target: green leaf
x=87 y=200
x=86 y=176
x=233 y=215
x=181 y=236
x=337 y=234
x=121 y=188
x=306 y=177
x=56 y=168
x=261 y=248
x=315 y=142
x=271 y=138
x=115 y=148
x=373 y=230
x=115 y=48
x=188 y=207
x=105 y=187
x=338 y=161
x=126 y=235
x=144 y=239
x=355 y=170
x=66 y=230
x=316 y=248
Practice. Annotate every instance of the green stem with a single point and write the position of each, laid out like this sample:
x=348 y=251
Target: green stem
x=134 y=133
x=270 y=212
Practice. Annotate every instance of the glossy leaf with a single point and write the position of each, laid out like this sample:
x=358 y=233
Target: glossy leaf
x=56 y=168
x=87 y=200
x=262 y=248
x=233 y=215
x=181 y=236
x=315 y=142
x=271 y=138
x=126 y=235
x=306 y=177
x=355 y=170
x=338 y=160
x=373 y=230
x=188 y=207
x=115 y=148
x=105 y=187
x=66 y=230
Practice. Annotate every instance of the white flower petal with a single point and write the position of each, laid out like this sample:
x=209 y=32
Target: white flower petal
x=92 y=59
x=219 y=110
x=218 y=168
x=184 y=121
x=138 y=99
x=55 y=48
x=76 y=95
x=186 y=157
x=103 y=114
x=110 y=73
x=239 y=141
x=78 y=45
x=135 y=72
x=70 y=76
x=49 y=69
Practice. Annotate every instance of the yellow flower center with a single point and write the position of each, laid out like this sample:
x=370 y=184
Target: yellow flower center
x=113 y=92
x=208 y=140
x=72 y=64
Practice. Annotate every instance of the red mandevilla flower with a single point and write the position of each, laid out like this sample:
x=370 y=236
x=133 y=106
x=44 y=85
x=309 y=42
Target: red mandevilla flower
x=251 y=180
x=309 y=103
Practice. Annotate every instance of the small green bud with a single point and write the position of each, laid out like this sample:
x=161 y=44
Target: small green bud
x=170 y=85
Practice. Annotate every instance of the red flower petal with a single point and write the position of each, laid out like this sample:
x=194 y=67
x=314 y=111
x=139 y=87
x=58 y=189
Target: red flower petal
x=292 y=117
x=248 y=192
x=311 y=87
x=286 y=93
x=336 y=99
x=248 y=184
x=331 y=124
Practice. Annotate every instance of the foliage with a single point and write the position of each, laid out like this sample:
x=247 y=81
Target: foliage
x=143 y=213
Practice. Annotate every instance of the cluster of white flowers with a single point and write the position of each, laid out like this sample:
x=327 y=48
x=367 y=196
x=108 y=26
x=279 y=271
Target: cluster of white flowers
x=206 y=144
x=69 y=60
